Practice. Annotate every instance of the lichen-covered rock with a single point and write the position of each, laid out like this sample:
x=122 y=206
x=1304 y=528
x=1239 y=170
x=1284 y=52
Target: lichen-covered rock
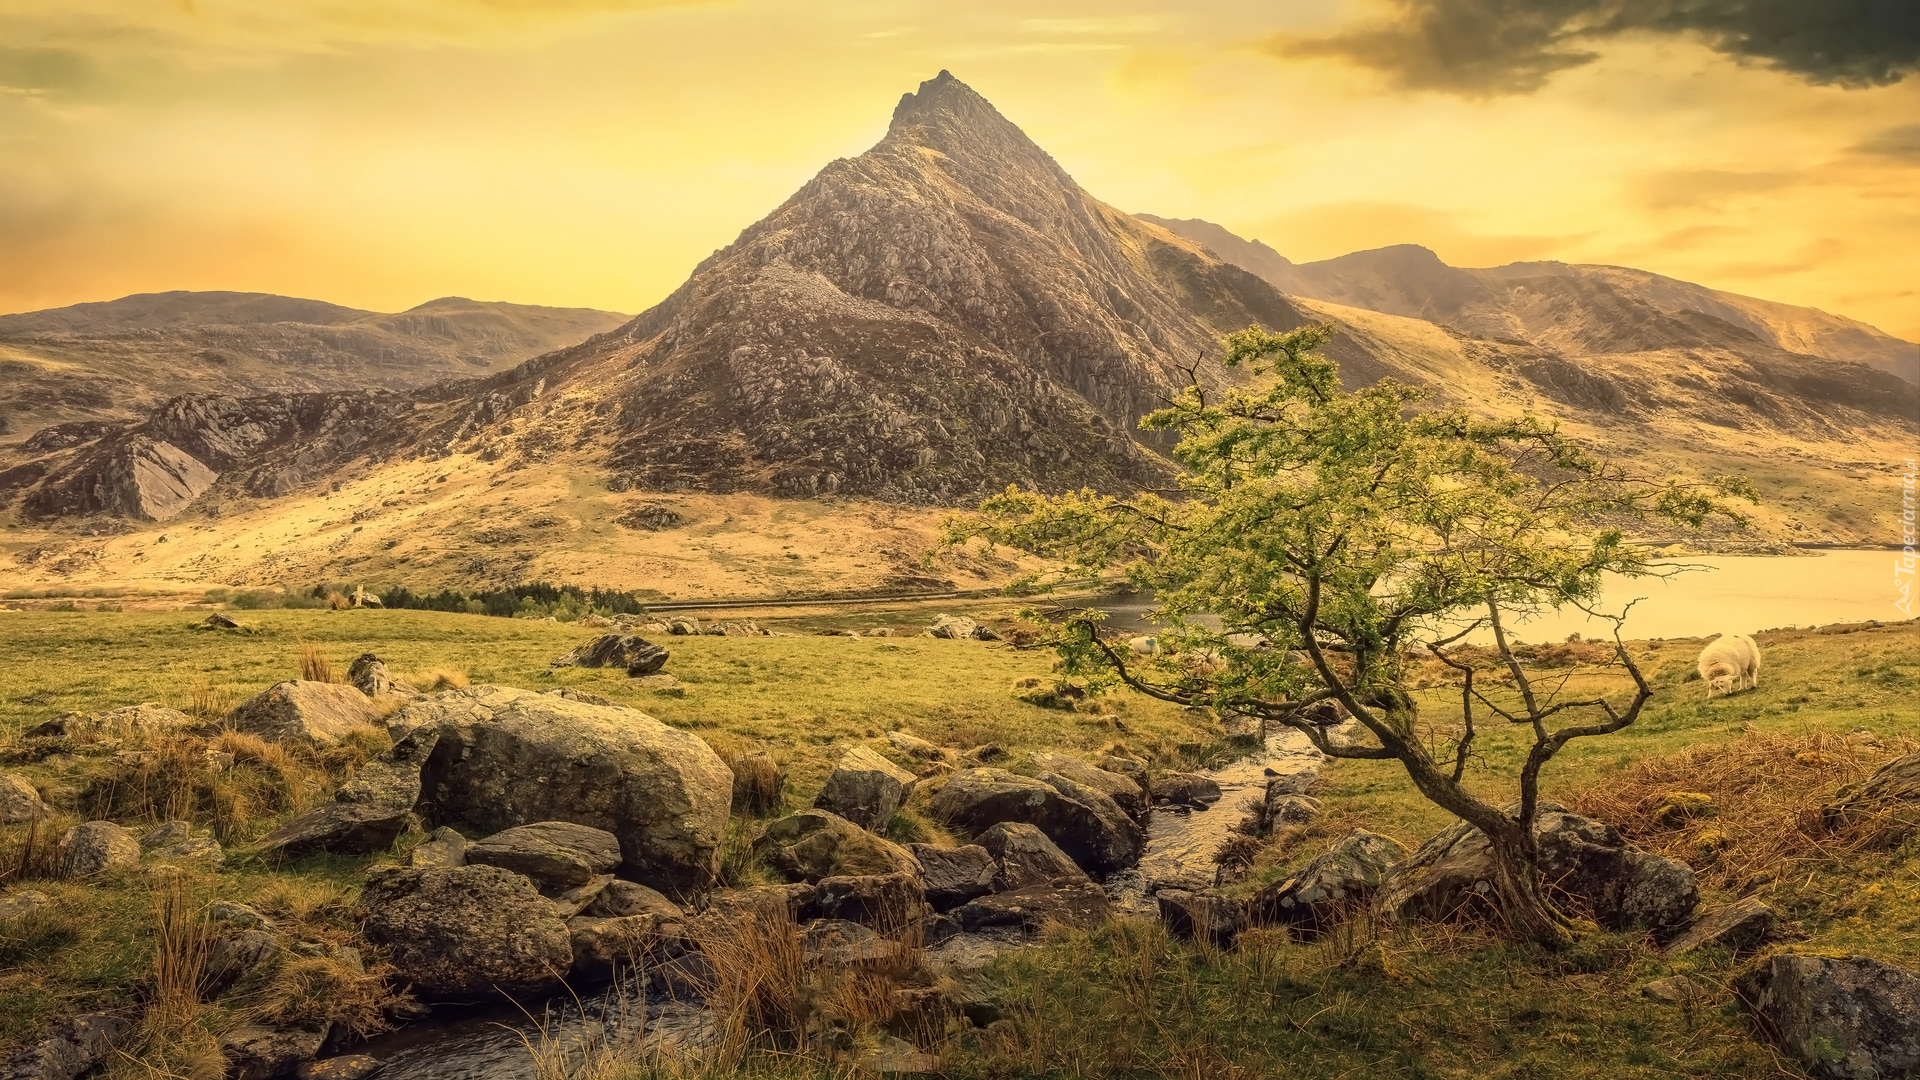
x=953 y=627
x=258 y=1052
x=446 y=847
x=369 y=675
x=19 y=800
x=814 y=844
x=19 y=905
x=630 y=651
x=1585 y=863
x=1344 y=876
x=465 y=930
x=955 y=875
x=303 y=710
x=368 y=812
x=1201 y=916
x=1089 y=827
x=511 y=757
x=1285 y=810
x=1843 y=1018
x=1742 y=925
x=1079 y=904
x=96 y=847
x=1893 y=788
x=605 y=947
x=885 y=901
x=73 y=1048
x=1125 y=791
x=557 y=855
x=620 y=899
x=865 y=788
x=1024 y=856
x=1186 y=789
x=915 y=746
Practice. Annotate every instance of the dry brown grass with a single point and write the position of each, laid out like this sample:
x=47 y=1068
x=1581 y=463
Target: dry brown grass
x=175 y=1038
x=1765 y=791
x=31 y=853
x=314 y=666
x=757 y=783
x=234 y=782
x=434 y=680
x=207 y=701
x=307 y=991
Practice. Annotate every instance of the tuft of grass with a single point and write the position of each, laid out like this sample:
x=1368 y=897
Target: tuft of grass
x=757 y=783
x=314 y=666
x=307 y=991
x=235 y=782
x=176 y=1037
x=207 y=701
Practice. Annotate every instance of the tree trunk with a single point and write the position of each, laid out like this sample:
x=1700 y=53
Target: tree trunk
x=1522 y=894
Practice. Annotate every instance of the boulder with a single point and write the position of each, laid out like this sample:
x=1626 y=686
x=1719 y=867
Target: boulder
x=1741 y=926
x=630 y=651
x=1344 y=876
x=1130 y=767
x=320 y=713
x=1080 y=904
x=203 y=849
x=1186 y=789
x=953 y=627
x=1894 y=787
x=19 y=801
x=511 y=757
x=1586 y=863
x=839 y=943
x=75 y=1046
x=914 y=746
x=96 y=847
x=368 y=812
x=955 y=875
x=236 y=954
x=557 y=855
x=164 y=834
x=445 y=848
x=605 y=947
x=883 y=901
x=1093 y=831
x=1024 y=856
x=865 y=788
x=814 y=844
x=463 y=930
x=1284 y=811
x=1201 y=916
x=1123 y=790
x=1843 y=1018
x=621 y=899
x=124 y=722
x=369 y=675
x=258 y=1052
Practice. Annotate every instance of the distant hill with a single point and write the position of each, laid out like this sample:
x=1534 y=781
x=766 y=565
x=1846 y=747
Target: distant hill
x=1574 y=309
x=120 y=358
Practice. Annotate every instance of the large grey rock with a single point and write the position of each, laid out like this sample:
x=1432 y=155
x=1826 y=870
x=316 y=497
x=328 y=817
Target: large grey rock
x=445 y=847
x=1202 y=916
x=865 y=788
x=621 y=899
x=511 y=757
x=1023 y=856
x=885 y=901
x=1186 y=789
x=630 y=651
x=258 y=1052
x=1088 y=826
x=303 y=710
x=465 y=930
x=1742 y=925
x=557 y=855
x=238 y=953
x=603 y=948
x=1125 y=791
x=955 y=875
x=19 y=801
x=369 y=675
x=96 y=847
x=1585 y=862
x=953 y=627
x=74 y=1047
x=1342 y=877
x=1081 y=904
x=1843 y=1018
x=813 y=844
x=368 y=813
x=127 y=721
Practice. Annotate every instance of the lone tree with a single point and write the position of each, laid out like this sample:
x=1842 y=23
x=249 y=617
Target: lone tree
x=1338 y=537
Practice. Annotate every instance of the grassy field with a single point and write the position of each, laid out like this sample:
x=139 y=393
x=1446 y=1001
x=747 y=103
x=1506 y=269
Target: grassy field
x=1448 y=1001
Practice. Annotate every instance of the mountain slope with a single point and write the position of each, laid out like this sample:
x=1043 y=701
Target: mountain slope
x=120 y=358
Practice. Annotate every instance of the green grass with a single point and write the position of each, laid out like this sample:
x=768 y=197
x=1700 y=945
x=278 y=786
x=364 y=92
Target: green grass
x=1122 y=1001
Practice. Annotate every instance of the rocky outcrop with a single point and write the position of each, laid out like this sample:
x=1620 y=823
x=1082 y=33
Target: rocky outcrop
x=300 y=709
x=466 y=930
x=1088 y=826
x=1200 y=916
x=1125 y=791
x=557 y=855
x=1842 y=1018
x=954 y=875
x=510 y=757
x=1586 y=863
x=96 y=847
x=1337 y=881
x=815 y=844
x=74 y=1047
x=19 y=800
x=890 y=902
x=630 y=651
x=1023 y=856
x=865 y=788
x=369 y=812
x=1082 y=904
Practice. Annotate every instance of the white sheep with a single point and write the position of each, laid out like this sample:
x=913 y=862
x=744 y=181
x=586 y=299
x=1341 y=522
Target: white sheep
x=1728 y=663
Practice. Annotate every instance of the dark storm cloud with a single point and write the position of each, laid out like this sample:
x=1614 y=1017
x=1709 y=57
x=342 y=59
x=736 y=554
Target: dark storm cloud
x=1510 y=46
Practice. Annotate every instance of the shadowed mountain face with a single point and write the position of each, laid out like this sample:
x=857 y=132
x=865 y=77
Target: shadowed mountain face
x=1571 y=309
x=119 y=359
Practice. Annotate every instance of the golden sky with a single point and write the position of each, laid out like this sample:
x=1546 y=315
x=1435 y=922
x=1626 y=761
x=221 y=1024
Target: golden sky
x=590 y=152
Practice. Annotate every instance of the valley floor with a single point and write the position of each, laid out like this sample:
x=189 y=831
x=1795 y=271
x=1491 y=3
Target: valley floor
x=1124 y=1000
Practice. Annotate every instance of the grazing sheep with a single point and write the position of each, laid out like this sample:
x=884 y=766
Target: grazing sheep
x=1728 y=663
x=1144 y=646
